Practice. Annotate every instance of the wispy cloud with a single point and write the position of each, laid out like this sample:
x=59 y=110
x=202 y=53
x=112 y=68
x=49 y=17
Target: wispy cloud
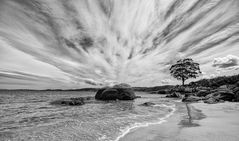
x=80 y=43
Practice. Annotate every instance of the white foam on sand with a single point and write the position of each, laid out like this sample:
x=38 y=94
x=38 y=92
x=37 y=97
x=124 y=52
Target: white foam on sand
x=138 y=125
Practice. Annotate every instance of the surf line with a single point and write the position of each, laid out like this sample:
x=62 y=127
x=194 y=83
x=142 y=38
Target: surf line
x=138 y=125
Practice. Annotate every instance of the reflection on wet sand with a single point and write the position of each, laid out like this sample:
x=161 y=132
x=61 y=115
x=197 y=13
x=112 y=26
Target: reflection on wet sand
x=192 y=117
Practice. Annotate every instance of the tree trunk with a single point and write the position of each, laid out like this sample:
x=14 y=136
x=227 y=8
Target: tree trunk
x=183 y=80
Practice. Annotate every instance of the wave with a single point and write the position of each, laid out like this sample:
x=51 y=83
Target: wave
x=138 y=125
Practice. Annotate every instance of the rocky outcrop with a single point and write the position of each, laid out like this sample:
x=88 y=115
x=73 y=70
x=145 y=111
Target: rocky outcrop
x=117 y=92
x=208 y=95
x=211 y=91
x=222 y=93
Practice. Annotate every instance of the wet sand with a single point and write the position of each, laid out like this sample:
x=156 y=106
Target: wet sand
x=193 y=122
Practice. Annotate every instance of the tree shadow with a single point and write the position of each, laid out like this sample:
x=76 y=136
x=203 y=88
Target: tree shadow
x=192 y=117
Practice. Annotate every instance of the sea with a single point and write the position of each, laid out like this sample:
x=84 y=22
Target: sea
x=29 y=116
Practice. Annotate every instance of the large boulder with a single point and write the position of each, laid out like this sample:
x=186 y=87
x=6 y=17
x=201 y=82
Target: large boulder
x=98 y=94
x=110 y=94
x=117 y=92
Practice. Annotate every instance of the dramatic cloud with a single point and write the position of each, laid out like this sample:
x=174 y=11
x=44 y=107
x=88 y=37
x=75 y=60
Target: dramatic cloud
x=85 y=43
x=230 y=61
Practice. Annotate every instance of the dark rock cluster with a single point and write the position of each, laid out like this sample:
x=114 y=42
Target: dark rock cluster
x=117 y=92
x=207 y=94
x=72 y=101
x=148 y=104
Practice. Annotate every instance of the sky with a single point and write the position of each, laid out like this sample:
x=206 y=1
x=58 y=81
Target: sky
x=69 y=44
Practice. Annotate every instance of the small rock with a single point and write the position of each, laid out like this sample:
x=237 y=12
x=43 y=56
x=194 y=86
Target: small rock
x=211 y=100
x=223 y=87
x=203 y=93
x=69 y=101
x=148 y=104
x=191 y=99
x=174 y=95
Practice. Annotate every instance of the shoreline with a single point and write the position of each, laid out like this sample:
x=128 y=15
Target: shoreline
x=135 y=127
x=193 y=122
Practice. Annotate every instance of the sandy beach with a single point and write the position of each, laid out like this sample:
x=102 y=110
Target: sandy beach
x=193 y=122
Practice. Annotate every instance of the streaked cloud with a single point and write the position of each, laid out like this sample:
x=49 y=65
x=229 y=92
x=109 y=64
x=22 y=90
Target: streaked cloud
x=92 y=43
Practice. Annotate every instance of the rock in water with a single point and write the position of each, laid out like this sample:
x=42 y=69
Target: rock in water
x=99 y=93
x=69 y=101
x=148 y=104
x=110 y=94
x=121 y=92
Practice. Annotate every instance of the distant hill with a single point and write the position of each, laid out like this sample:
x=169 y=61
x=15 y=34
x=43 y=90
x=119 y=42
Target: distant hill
x=150 y=89
x=213 y=83
x=83 y=89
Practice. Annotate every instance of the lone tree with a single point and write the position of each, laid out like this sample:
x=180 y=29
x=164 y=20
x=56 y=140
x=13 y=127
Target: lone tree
x=185 y=69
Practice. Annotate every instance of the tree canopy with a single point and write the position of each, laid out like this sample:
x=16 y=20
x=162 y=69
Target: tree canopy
x=185 y=69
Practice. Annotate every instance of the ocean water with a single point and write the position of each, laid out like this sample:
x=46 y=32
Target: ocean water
x=28 y=116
